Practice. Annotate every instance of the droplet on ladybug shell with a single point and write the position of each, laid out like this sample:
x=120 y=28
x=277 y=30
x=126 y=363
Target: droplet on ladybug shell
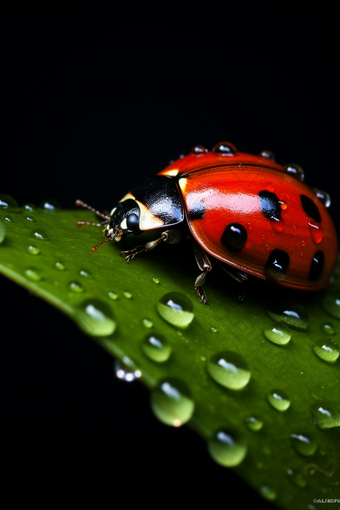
x=225 y=148
x=316 y=232
x=268 y=155
x=295 y=171
x=323 y=196
x=198 y=149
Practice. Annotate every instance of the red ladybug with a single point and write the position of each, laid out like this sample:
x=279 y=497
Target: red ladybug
x=250 y=213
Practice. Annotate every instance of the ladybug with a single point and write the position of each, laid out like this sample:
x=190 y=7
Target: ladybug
x=253 y=215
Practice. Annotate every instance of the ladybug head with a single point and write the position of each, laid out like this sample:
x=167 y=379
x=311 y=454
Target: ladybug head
x=124 y=220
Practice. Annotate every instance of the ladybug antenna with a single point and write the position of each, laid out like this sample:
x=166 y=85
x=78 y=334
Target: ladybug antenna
x=81 y=223
x=95 y=248
x=82 y=204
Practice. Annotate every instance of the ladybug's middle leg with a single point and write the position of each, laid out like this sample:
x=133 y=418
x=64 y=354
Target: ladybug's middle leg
x=240 y=276
x=205 y=266
x=168 y=236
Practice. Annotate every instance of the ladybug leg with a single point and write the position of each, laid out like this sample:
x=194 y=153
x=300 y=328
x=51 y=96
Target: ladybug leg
x=168 y=236
x=241 y=277
x=205 y=266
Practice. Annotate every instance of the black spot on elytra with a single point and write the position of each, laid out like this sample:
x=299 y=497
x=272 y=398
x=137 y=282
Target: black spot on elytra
x=316 y=265
x=310 y=208
x=277 y=265
x=270 y=205
x=197 y=211
x=234 y=237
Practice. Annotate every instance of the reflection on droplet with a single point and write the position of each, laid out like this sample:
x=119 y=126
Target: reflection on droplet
x=291 y=312
x=229 y=369
x=327 y=350
x=279 y=400
x=171 y=402
x=295 y=171
x=156 y=347
x=31 y=219
x=176 y=308
x=326 y=415
x=323 y=196
x=95 y=318
x=227 y=448
x=316 y=231
x=278 y=334
x=126 y=370
x=303 y=444
x=85 y=273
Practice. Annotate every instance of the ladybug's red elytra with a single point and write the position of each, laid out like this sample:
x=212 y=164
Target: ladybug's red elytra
x=250 y=213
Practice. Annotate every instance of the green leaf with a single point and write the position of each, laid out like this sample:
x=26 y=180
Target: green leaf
x=262 y=387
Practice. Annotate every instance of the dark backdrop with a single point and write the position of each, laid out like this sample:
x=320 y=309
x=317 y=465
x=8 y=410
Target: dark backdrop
x=86 y=118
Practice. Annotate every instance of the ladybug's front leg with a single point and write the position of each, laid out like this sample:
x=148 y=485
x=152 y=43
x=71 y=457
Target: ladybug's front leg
x=168 y=236
x=204 y=264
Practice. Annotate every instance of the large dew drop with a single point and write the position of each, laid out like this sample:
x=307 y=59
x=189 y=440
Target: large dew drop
x=229 y=369
x=326 y=415
x=176 y=309
x=279 y=400
x=303 y=444
x=8 y=202
x=226 y=448
x=292 y=313
x=156 y=347
x=327 y=350
x=171 y=402
x=95 y=318
x=278 y=334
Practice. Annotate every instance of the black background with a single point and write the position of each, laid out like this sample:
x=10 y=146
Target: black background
x=90 y=114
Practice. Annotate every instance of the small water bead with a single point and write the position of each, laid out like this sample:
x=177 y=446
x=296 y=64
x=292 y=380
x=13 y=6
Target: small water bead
x=76 y=287
x=331 y=304
x=147 y=323
x=112 y=295
x=85 y=273
x=29 y=207
x=176 y=308
x=277 y=224
x=278 y=334
x=214 y=330
x=198 y=149
x=279 y=400
x=323 y=196
x=31 y=219
x=40 y=234
x=291 y=312
x=227 y=448
x=50 y=205
x=328 y=328
x=2 y=231
x=8 y=202
x=253 y=423
x=303 y=444
x=225 y=149
x=95 y=318
x=326 y=415
x=316 y=231
x=33 y=250
x=8 y=218
x=126 y=370
x=295 y=171
x=267 y=154
x=327 y=350
x=155 y=280
x=156 y=347
x=267 y=493
x=33 y=274
x=127 y=295
x=60 y=266
x=171 y=402
x=229 y=369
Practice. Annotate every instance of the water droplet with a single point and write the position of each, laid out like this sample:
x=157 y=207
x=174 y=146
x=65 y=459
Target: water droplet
x=112 y=295
x=2 y=231
x=33 y=250
x=60 y=266
x=328 y=328
x=229 y=369
x=155 y=280
x=296 y=478
x=171 y=402
x=279 y=335
x=327 y=350
x=214 y=330
x=283 y=204
x=303 y=444
x=85 y=273
x=147 y=323
x=253 y=423
x=225 y=149
x=323 y=196
x=8 y=202
x=176 y=308
x=295 y=170
x=290 y=312
x=279 y=400
x=95 y=318
x=40 y=234
x=303 y=243
x=29 y=207
x=33 y=274
x=50 y=205
x=127 y=295
x=198 y=149
x=227 y=448
x=326 y=415
x=126 y=369
x=316 y=231
x=76 y=287
x=267 y=493
x=156 y=347
x=267 y=154
x=30 y=219
x=331 y=304
x=277 y=224
x=8 y=218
